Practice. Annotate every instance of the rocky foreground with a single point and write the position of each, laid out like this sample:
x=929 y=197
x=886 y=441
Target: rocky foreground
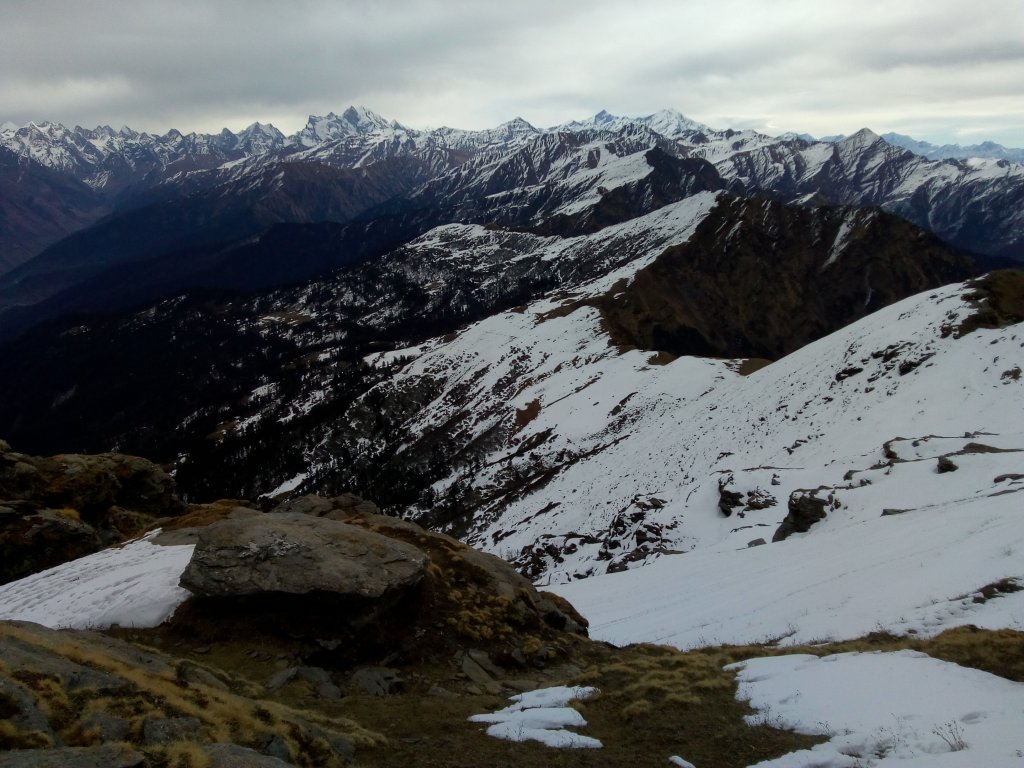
x=317 y=599
x=319 y=632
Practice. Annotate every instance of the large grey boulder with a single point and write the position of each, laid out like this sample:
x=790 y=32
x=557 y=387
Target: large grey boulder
x=299 y=554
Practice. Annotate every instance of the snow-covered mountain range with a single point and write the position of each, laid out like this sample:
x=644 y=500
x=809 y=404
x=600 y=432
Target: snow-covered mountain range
x=83 y=208
x=971 y=203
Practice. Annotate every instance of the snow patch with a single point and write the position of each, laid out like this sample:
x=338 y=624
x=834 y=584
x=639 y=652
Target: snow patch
x=542 y=715
x=135 y=585
x=881 y=709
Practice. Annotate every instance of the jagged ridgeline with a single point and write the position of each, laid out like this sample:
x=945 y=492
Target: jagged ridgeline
x=266 y=315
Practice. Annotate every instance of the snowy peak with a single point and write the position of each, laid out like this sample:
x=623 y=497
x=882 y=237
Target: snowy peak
x=259 y=138
x=672 y=123
x=669 y=123
x=988 y=150
x=865 y=137
x=354 y=121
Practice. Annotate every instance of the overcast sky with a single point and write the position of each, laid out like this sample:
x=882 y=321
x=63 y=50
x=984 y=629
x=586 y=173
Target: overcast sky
x=941 y=70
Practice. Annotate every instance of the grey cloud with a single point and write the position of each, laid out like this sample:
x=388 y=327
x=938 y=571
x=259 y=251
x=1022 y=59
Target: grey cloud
x=200 y=65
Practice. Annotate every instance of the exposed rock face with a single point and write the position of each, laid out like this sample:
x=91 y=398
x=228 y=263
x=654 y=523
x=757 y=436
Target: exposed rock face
x=728 y=500
x=299 y=554
x=806 y=508
x=783 y=277
x=348 y=586
x=33 y=541
x=91 y=484
x=55 y=509
x=492 y=573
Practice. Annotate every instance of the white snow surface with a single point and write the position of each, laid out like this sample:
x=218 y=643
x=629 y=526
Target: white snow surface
x=638 y=450
x=542 y=715
x=794 y=425
x=881 y=709
x=135 y=585
x=914 y=572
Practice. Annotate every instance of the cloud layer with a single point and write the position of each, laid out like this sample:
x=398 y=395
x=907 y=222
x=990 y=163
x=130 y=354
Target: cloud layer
x=943 y=70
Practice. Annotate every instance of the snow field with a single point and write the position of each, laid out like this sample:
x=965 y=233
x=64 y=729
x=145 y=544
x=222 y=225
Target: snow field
x=135 y=585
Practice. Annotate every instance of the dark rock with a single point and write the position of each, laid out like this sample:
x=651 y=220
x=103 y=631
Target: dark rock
x=340 y=744
x=339 y=507
x=318 y=678
x=756 y=543
x=299 y=554
x=282 y=678
x=945 y=464
x=188 y=672
x=88 y=483
x=479 y=675
x=706 y=296
x=890 y=511
x=846 y=373
x=484 y=660
x=34 y=542
x=906 y=366
x=275 y=746
x=493 y=575
x=759 y=499
x=107 y=727
x=805 y=509
x=234 y=756
x=106 y=756
x=60 y=508
x=728 y=500
x=378 y=681
x=163 y=730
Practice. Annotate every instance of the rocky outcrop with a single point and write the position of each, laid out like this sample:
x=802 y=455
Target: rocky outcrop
x=348 y=586
x=783 y=277
x=299 y=554
x=728 y=499
x=58 y=508
x=72 y=698
x=490 y=573
x=806 y=507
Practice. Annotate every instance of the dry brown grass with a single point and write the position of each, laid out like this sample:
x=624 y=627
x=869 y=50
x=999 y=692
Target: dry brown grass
x=752 y=365
x=201 y=515
x=525 y=415
x=224 y=716
x=179 y=754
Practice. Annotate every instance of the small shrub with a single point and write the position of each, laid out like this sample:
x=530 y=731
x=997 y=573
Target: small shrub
x=953 y=734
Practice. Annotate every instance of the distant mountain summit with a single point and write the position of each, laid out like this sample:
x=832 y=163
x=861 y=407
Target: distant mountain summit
x=354 y=121
x=667 y=122
x=987 y=149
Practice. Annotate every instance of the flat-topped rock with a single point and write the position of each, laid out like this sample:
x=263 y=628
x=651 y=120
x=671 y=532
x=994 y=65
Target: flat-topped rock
x=299 y=554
